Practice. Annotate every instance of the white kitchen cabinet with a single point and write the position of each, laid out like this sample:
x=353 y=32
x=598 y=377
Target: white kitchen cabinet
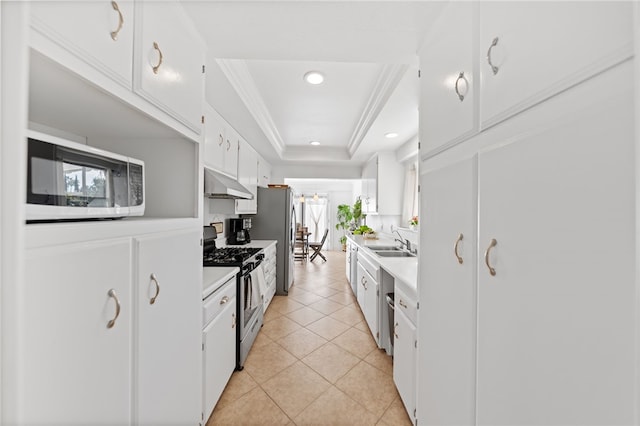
x=221 y=144
x=347 y=262
x=248 y=177
x=219 y=345
x=264 y=172
x=541 y=49
x=99 y=33
x=169 y=321
x=447 y=318
x=448 y=79
x=382 y=185
x=404 y=352
x=169 y=62
x=558 y=199
x=269 y=267
x=367 y=294
x=74 y=368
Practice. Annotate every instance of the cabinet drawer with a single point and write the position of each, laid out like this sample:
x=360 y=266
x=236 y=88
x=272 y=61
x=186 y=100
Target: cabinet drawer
x=215 y=303
x=407 y=305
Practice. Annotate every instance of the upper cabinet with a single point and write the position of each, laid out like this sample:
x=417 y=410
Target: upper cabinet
x=264 y=172
x=99 y=33
x=527 y=53
x=248 y=177
x=484 y=62
x=447 y=77
x=382 y=184
x=221 y=144
x=169 y=61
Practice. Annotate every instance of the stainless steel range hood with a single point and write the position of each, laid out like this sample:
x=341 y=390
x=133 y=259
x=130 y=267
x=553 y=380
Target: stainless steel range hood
x=217 y=185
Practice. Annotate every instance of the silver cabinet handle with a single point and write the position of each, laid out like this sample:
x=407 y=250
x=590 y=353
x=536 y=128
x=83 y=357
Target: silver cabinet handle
x=221 y=139
x=112 y=294
x=395 y=331
x=463 y=78
x=224 y=300
x=233 y=320
x=401 y=303
x=492 y=244
x=228 y=145
x=114 y=34
x=493 y=67
x=157 y=67
x=455 y=248
x=155 y=281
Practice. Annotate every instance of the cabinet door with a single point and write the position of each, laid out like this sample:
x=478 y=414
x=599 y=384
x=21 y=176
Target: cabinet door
x=74 y=369
x=404 y=359
x=214 y=140
x=556 y=322
x=264 y=172
x=447 y=293
x=360 y=296
x=248 y=177
x=347 y=265
x=448 y=87
x=541 y=49
x=99 y=33
x=369 y=189
x=169 y=353
x=219 y=338
x=231 y=145
x=169 y=60
x=371 y=304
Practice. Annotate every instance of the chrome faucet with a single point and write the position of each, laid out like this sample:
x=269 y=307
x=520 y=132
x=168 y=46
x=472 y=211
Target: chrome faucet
x=405 y=242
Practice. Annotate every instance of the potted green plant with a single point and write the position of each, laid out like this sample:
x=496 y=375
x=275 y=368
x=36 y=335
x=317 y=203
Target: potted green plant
x=357 y=211
x=345 y=217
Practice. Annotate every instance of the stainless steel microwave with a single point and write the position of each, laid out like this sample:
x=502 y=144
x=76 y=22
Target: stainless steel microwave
x=71 y=181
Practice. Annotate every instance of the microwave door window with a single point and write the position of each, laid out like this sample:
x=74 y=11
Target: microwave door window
x=86 y=186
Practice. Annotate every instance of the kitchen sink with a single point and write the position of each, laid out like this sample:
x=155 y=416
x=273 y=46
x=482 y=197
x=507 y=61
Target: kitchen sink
x=394 y=253
x=384 y=248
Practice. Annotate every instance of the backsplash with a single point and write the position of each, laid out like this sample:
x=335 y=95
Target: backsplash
x=219 y=210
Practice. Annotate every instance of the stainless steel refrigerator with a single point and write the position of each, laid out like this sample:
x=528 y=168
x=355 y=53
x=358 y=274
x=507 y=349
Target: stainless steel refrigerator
x=276 y=220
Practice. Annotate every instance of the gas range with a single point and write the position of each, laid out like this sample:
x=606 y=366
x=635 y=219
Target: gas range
x=229 y=256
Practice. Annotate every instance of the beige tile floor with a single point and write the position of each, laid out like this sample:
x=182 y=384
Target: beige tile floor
x=314 y=361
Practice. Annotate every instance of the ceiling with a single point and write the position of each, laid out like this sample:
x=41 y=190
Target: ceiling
x=258 y=52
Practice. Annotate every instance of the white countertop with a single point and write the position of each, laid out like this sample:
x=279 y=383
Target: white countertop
x=214 y=276
x=404 y=269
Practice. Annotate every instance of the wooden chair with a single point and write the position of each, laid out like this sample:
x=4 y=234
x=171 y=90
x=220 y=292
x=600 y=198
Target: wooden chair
x=301 y=246
x=317 y=246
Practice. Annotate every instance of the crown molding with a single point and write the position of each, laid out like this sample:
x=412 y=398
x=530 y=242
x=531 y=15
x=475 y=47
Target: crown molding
x=240 y=78
x=387 y=82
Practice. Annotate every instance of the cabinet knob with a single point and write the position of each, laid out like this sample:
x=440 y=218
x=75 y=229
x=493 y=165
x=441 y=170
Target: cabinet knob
x=493 y=67
x=461 y=77
x=157 y=67
x=224 y=300
x=401 y=303
x=455 y=248
x=114 y=296
x=114 y=33
x=154 y=279
x=492 y=244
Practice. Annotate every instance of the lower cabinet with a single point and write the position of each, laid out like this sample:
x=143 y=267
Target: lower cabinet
x=367 y=295
x=76 y=326
x=169 y=324
x=404 y=353
x=219 y=347
x=96 y=346
x=269 y=267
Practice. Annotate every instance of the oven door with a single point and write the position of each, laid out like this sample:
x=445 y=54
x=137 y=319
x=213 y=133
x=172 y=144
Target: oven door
x=250 y=300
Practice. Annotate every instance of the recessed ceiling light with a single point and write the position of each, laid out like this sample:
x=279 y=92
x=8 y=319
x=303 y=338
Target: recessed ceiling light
x=314 y=77
x=391 y=135
x=314 y=143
